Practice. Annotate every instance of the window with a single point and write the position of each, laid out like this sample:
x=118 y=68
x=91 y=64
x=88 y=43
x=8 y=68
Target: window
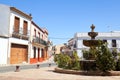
x=35 y=32
x=39 y=34
x=25 y=27
x=105 y=41
x=42 y=37
x=16 y=24
x=75 y=45
x=42 y=53
x=34 y=55
x=113 y=43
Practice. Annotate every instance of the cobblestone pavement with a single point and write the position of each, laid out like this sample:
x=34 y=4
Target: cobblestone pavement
x=47 y=73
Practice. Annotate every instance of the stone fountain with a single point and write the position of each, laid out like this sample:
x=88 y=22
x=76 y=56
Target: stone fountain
x=92 y=43
x=90 y=63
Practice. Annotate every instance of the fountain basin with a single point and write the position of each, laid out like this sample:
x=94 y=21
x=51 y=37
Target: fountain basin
x=90 y=43
x=92 y=34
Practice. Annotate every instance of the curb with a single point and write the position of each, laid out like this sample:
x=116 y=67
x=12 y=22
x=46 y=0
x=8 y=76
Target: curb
x=87 y=73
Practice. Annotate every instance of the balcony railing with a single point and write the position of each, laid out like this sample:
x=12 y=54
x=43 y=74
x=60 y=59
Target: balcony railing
x=19 y=34
x=39 y=41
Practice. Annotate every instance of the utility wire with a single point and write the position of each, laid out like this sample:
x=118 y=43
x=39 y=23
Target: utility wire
x=59 y=38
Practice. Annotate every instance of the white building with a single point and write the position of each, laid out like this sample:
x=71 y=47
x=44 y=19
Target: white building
x=16 y=37
x=39 y=39
x=112 y=38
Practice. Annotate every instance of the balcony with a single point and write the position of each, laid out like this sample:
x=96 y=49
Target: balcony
x=39 y=41
x=19 y=34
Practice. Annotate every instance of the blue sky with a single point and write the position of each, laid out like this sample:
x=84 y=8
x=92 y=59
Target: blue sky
x=63 y=18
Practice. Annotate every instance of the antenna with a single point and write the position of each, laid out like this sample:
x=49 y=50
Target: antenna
x=109 y=28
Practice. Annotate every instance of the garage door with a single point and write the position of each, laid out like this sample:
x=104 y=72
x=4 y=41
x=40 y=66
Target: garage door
x=18 y=54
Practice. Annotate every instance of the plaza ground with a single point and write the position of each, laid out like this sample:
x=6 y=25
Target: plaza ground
x=46 y=73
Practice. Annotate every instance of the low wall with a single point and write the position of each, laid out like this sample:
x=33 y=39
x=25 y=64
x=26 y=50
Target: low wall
x=89 y=73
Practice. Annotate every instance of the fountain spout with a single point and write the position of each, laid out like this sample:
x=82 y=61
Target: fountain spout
x=92 y=34
x=92 y=28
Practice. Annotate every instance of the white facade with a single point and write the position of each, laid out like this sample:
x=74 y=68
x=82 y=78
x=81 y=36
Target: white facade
x=7 y=24
x=14 y=14
x=18 y=37
x=3 y=50
x=38 y=39
x=110 y=37
x=4 y=20
x=34 y=34
x=19 y=41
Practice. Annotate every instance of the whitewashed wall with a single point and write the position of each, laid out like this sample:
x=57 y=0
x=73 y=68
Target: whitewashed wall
x=37 y=30
x=4 y=20
x=80 y=54
x=3 y=50
x=31 y=38
x=32 y=52
x=18 y=41
x=15 y=40
x=79 y=37
x=118 y=43
x=22 y=19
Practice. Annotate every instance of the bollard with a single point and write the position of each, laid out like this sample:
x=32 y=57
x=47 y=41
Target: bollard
x=49 y=64
x=17 y=69
x=38 y=66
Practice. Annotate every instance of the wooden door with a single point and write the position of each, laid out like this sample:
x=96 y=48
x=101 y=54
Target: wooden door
x=18 y=54
x=25 y=26
x=16 y=25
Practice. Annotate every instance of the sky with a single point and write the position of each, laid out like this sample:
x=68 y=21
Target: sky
x=64 y=18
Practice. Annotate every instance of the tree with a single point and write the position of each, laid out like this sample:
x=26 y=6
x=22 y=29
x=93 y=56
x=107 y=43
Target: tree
x=67 y=62
x=114 y=53
x=104 y=59
x=62 y=60
x=90 y=54
x=75 y=61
